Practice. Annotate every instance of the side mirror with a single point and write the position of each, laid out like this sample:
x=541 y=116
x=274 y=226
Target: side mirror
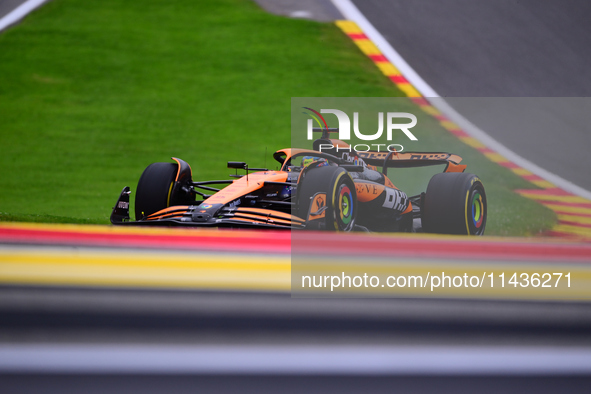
x=237 y=164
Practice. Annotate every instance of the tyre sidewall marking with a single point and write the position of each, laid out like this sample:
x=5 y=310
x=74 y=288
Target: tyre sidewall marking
x=169 y=193
x=466 y=211
x=334 y=201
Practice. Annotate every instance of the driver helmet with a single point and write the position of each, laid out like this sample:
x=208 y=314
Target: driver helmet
x=307 y=160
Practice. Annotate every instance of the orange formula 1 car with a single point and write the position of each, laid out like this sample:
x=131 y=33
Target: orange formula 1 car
x=338 y=189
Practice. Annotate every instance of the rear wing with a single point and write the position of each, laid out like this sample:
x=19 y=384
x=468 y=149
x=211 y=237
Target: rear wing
x=409 y=159
x=390 y=159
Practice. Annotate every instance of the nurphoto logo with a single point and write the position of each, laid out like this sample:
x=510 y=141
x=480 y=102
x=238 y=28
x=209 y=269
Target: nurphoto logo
x=394 y=122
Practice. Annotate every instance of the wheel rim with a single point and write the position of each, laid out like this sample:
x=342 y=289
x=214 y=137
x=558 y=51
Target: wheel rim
x=478 y=211
x=345 y=206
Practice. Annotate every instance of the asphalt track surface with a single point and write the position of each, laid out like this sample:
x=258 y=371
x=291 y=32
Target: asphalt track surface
x=288 y=384
x=504 y=48
x=6 y=6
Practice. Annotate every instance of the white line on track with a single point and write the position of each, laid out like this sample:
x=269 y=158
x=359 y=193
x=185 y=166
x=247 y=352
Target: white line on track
x=349 y=11
x=285 y=359
x=19 y=12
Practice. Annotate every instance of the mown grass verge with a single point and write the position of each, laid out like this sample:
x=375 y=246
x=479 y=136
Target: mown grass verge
x=93 y=92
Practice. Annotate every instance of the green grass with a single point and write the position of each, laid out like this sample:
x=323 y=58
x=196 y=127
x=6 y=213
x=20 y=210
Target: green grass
x=23 y=217
x=93 y=92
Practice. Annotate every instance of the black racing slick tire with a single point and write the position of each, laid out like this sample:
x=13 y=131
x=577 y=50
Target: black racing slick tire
x=341 y=198
x=154 y=189
x=455 y=203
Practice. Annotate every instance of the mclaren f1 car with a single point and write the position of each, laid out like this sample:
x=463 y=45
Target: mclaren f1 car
x=334 y=189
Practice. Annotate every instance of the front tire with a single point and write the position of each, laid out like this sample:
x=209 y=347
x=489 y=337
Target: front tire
x=154 y=189
x=455 y=203
x=341 y=198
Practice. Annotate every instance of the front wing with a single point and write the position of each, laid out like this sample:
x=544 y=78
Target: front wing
x=192 y=216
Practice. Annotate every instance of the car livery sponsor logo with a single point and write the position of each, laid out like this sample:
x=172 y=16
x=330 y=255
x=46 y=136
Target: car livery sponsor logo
x=123 y=205
x=319 y=202
x=205 y=206
x=285 y=192
x=396 y=200
x=354 y=159
x=316 y=208
x=373 y=155
x=368 y=191
x=234 y=203
x=436 y=156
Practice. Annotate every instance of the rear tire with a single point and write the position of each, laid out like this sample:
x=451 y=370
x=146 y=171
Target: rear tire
x=154 y=189
x=341 y=198
x=455 y=203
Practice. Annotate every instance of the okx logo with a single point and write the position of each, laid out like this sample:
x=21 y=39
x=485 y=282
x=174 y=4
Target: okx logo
x=395 y=122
